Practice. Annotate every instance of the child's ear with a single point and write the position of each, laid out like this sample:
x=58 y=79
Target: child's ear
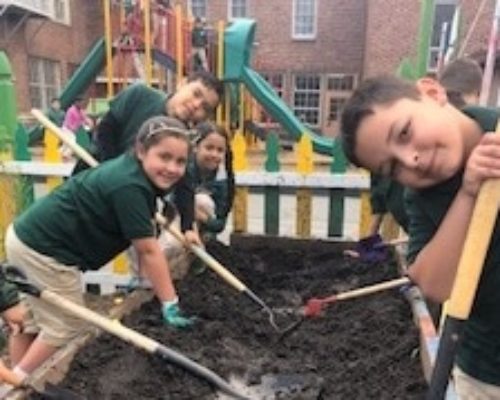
x=431 y=88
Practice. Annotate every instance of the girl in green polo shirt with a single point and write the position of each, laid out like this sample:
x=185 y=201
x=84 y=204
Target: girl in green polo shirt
x=210 y=172
x=89 y=220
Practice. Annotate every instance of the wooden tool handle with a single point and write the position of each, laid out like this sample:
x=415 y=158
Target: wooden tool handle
x=61 y=134
x=211 y=262
x=108 y=325
x=372 y=289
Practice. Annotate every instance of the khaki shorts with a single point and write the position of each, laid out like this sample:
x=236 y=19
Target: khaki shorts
x=55 y=326
x=469 y=388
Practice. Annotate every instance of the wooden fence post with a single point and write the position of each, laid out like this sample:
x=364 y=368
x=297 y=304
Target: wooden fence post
x=304 y=195
x=240 y=163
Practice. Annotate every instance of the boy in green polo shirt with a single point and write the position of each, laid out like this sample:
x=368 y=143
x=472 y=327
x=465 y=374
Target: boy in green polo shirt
x=462 y=80
x=410 y=133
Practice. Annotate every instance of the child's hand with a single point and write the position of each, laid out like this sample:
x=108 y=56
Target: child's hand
x=201 y=214
x=483 y=164
x=14 y=316
x=192 y=237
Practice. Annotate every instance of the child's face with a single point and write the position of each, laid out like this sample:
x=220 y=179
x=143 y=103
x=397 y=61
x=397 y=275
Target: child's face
x=416 y=142
x=210 y=151
x=165 y=162
x=193 y=101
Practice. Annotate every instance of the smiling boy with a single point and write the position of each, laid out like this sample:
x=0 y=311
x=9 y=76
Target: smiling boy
x=411 y=133
x=194 y=100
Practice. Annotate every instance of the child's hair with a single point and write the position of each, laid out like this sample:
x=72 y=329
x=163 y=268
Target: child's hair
x=153 y=130
x=382 y=90
x=462 y=76
x=209 y=80
x=203 y=130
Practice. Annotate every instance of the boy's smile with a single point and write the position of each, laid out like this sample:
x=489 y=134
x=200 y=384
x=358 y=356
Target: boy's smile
x=417 y=142
x=193 y=101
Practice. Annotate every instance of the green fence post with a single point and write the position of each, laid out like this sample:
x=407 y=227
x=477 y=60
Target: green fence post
x=272 y=193
x=337 y=196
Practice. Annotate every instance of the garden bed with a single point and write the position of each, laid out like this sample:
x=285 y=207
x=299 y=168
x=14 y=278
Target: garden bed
x=363 y=348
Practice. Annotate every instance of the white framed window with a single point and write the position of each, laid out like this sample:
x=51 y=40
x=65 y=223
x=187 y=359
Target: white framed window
x=198 y=8
x=61 y=11
x=45 y=81
x=341 y=82
x=237 y=9
x=307 y=98
x=304 y=16
x=444 y=11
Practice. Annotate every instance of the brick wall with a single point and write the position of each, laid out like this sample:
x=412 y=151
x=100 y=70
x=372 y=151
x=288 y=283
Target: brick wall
x=392 y=32
x=67 y=44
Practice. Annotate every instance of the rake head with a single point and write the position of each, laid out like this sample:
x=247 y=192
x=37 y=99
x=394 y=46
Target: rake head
x=313 y=307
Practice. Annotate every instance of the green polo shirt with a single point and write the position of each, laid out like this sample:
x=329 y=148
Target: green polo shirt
x=131 y=108
x=216 y=186
x=479 y=353
x=387 y=195
x=93 y=216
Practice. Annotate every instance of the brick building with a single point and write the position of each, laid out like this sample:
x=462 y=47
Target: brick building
x=315 y=51
x=312 y=51
x=45 y=41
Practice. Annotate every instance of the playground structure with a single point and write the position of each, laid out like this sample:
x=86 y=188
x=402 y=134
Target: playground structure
x=309 y=190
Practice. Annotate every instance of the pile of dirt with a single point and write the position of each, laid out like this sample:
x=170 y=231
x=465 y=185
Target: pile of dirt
x=359 y=349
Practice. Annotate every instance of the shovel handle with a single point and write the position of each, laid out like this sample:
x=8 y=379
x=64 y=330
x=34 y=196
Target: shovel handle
x=367 y=290
x=106 y=324
x=211 y=262
x=65 y=138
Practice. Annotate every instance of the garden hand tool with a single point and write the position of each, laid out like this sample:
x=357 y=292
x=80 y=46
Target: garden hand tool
x=211 y=262
x=15 y=276
x=315 y=305
x=373 y=249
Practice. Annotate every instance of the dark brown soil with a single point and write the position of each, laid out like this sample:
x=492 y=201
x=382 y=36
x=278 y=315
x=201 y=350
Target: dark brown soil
x=365 y=348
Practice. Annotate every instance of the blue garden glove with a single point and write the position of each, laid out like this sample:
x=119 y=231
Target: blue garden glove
x=372 y=249
x=172 y=315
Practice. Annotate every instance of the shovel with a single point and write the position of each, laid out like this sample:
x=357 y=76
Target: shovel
x=211 y=262
x=14 y=275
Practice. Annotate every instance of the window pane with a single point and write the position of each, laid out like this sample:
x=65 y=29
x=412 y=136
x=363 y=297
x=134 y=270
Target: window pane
x=45 y=81
x=306 y=98
x=304 y=21
x=238 y=8
x=199 y=8
x=275 y=80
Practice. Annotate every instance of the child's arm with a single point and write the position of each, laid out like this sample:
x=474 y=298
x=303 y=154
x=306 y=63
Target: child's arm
x=154 y=264
x=155 y=267
x=435 y=266
x=217 y=222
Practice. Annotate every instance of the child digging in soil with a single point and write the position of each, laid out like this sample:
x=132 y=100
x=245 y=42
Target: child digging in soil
x=89 y=220
x=210 y=171
x=411 y=133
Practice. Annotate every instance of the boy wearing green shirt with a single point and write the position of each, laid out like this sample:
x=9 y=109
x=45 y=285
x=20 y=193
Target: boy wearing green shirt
x=411 y=133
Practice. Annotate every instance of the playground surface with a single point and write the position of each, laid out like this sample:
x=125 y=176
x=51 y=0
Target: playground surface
x=363 y=348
